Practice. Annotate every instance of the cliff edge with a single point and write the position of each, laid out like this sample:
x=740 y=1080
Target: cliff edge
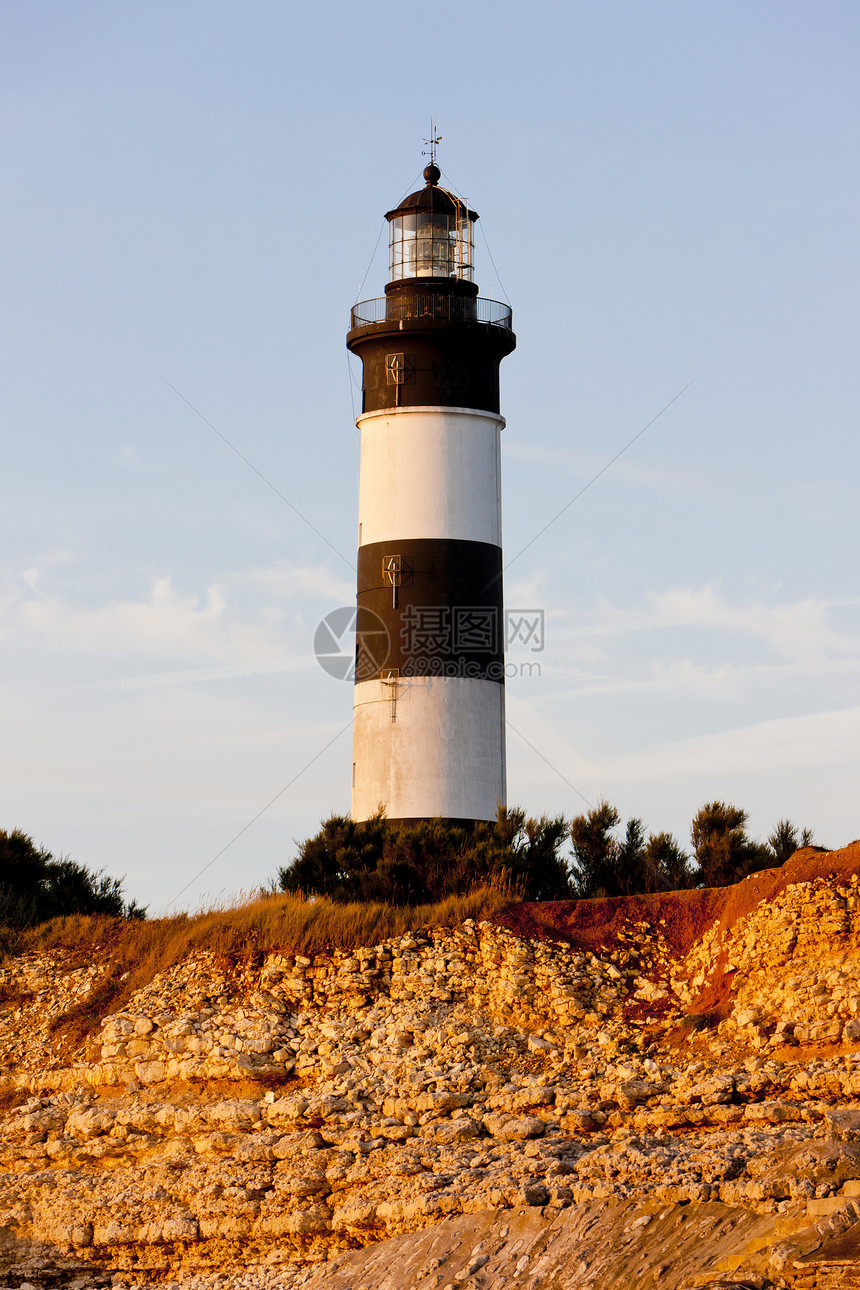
x=661 y=1091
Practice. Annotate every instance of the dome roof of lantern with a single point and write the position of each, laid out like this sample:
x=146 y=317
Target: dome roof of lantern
x=432 y=200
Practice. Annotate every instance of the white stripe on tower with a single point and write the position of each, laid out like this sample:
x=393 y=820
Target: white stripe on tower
x=430 y=473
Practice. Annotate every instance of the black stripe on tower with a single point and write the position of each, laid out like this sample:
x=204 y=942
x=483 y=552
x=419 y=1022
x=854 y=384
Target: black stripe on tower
x=458 y=370
x=430 y=607
x=430 y=349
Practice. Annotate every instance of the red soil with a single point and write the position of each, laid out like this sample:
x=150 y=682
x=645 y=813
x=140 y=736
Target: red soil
x=681 y=916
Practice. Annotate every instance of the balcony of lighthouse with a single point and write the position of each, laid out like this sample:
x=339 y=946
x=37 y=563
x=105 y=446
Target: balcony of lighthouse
x=420 y=308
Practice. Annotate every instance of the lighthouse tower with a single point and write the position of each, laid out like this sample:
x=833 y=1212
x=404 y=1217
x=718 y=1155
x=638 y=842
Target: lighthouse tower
x=429 y=719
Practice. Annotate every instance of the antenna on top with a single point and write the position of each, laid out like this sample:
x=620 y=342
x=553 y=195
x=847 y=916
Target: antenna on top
x=432 y=142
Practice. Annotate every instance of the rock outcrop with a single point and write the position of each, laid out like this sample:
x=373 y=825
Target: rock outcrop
x=664 y=1091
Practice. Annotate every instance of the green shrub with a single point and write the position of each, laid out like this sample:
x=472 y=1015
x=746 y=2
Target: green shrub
x=430 y=860
x=603 y=865
x=36 y=887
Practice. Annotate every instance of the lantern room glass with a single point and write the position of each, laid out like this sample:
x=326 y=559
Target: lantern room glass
x=430 y=245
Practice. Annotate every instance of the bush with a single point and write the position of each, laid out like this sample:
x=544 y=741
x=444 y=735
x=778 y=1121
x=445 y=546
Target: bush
x=722 y=849
x=430 y=860
x=667 y=865
x=605 y=866
x=724 y=852
x=786 y=839
x=36 y=887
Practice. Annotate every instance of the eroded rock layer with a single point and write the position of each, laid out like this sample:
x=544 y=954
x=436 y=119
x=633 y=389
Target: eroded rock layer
x=662 y=1091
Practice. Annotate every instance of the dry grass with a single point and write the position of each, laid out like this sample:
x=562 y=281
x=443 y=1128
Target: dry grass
x=284 y=922
x=136 y=952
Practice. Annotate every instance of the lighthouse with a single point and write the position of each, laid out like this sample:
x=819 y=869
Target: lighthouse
x=429 y=715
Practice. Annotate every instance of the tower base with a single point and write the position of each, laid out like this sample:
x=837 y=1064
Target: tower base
x=429 y=746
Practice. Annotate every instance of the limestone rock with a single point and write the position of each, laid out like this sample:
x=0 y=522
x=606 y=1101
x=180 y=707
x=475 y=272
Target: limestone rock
x=471 y=1106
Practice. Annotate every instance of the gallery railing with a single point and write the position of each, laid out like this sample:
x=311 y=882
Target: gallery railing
x=441 y=308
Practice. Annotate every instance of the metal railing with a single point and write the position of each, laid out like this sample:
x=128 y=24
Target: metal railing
x=442 y=308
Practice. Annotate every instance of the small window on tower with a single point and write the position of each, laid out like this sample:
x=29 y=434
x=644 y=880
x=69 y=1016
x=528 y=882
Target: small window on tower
x=400 y=369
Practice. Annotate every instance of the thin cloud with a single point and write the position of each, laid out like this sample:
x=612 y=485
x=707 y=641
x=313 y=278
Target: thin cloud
x=197 y=676
x=255 y=620
x=664 y=477
x=815 y=740
x=799 y=630
x=821 y=742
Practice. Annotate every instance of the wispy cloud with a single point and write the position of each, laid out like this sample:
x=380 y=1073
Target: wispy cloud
x=261 y=620
x=822 y=745
x=817 y=739
x=663 y=477
x=799 y=630
x=687 y=679
x=199 y=675
x=726 y=486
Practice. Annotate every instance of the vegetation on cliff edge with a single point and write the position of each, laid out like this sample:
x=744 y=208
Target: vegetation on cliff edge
x=36 y=886
x=412 y=863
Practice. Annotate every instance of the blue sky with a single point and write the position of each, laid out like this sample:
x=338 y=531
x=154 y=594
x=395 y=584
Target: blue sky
x=670 y=195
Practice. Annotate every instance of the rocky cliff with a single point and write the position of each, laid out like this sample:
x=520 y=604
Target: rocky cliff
x=663 y=1092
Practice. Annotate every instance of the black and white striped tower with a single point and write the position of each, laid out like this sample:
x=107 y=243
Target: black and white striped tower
x=429 y=721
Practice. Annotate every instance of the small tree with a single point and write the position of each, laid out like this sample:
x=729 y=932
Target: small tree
x=603 y=866
x=534 y=860
x=596 y=852
x=786 y=839
x=667 y=865
x=632 y=874
x=721 y=847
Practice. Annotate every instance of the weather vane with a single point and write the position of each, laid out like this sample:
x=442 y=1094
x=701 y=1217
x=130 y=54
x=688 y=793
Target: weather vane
x=432 y=142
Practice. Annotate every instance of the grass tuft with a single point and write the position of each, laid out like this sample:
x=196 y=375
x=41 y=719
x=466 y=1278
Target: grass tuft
x=700 y=1020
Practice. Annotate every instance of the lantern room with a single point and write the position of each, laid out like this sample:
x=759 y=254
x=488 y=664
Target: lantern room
x=430 y=234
